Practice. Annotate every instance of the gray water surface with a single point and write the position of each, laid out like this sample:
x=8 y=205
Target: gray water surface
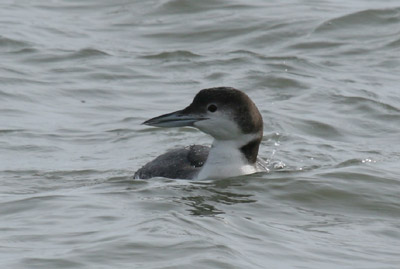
x=77 y=79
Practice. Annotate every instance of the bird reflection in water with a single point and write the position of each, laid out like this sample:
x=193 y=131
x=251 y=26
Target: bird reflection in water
x=212 y=199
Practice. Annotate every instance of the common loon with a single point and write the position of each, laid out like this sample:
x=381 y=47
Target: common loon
x=236 y=125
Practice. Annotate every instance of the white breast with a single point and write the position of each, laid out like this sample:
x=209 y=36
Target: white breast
x=225 y=160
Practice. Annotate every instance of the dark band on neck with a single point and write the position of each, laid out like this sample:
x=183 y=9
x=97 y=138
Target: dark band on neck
x=250 y=150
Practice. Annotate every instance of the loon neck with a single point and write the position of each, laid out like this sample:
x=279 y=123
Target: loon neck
x=229 y=158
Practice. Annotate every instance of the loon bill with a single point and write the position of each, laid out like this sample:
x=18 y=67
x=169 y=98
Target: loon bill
x=236 y=125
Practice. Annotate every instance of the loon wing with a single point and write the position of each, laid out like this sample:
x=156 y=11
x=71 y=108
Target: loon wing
x=182 y=163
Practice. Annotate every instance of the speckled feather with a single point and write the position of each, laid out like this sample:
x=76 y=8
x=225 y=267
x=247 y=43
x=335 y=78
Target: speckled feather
x=183 y=162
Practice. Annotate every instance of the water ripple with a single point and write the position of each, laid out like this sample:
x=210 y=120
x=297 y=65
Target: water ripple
x=78 y=77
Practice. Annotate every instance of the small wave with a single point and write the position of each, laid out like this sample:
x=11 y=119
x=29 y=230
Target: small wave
x=371 y=30
x=394 y=44
x=365 y=104
x=172 y=55
x=9 y=131
x=33 y=148
x=217 y=76
x=361 y=19
x=89 y=52
x=187 y=6
x=15 y=96
x=25 y=51
x=67 y=56
x=354 y=162
x=317 y=45
x=9 y=44
x=280 y=82
x=318 y=128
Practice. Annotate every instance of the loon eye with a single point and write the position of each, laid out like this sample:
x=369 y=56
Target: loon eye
x=212 y=108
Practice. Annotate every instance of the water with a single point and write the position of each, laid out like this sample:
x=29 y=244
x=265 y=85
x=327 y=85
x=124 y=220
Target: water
x=78 y=77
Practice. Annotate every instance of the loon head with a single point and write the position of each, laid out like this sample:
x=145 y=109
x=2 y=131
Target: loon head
x=225 y=113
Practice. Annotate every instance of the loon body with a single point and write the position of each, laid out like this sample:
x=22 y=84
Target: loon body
x=236 y=125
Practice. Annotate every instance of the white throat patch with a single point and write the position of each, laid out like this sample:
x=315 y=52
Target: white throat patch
x=226 y=160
